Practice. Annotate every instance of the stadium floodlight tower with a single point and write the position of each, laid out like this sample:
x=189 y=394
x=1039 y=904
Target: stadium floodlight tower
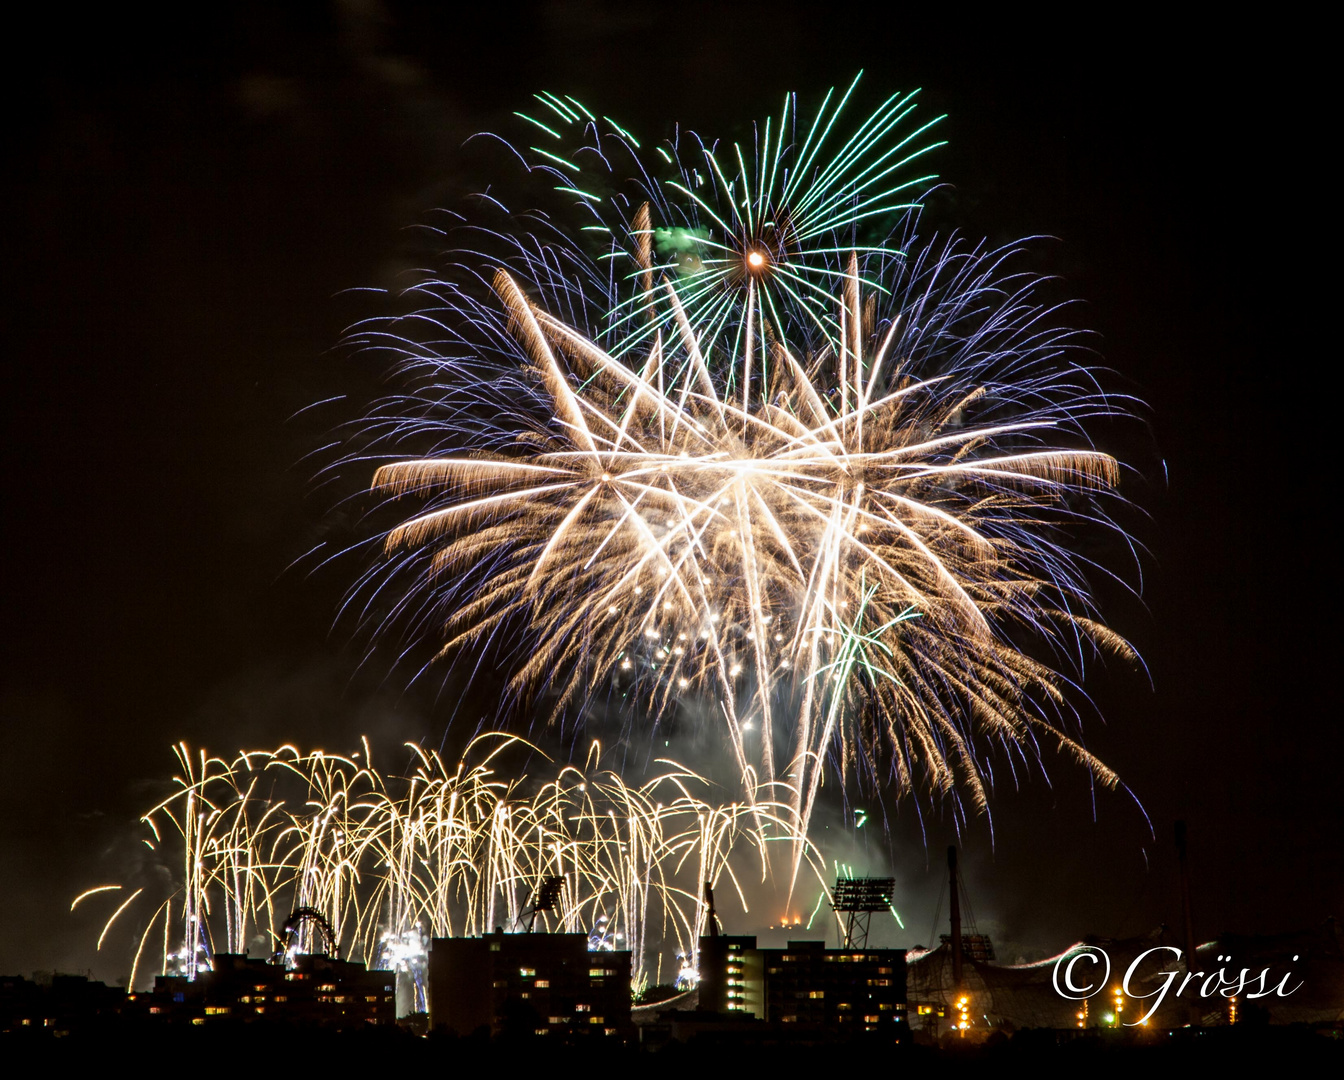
x=545 y=898
x=857 y=899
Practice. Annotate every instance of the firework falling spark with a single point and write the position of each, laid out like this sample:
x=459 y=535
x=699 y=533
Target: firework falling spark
x=759 y=230
x=445 y=851
x=828 y=488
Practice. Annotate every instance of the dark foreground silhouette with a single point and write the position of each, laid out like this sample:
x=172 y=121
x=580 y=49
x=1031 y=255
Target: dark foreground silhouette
x=256 y=1050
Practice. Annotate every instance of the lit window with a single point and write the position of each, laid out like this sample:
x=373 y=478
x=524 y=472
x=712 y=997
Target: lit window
x=583 y=1008
x=820 y=994
x=543 y=984
x=596 y=1020
x=557 y=1019
x=871 y=1019
x=527 y=973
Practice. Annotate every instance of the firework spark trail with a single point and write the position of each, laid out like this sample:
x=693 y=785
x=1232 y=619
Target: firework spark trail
x=389 y=860
x=828 y=488
x=711 y=546
x=720 y=218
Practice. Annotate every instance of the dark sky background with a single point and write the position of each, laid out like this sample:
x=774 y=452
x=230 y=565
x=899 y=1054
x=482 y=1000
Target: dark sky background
x=184 y=202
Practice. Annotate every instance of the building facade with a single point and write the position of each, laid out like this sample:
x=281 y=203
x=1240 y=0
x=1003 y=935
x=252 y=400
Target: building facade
x=319 y=990
x=838 y=990
x=731 y=976
x=539 y=984
x=60 y=1004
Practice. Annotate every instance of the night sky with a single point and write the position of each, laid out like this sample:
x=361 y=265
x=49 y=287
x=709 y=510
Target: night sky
x=186 y=204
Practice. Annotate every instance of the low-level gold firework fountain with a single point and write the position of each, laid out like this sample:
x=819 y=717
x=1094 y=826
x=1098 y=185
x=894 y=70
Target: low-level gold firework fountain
x=443 y=850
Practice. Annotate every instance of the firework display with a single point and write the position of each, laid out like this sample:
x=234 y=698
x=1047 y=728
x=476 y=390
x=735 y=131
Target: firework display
x=728 y=439
x=390 y=861
x=739 y=439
